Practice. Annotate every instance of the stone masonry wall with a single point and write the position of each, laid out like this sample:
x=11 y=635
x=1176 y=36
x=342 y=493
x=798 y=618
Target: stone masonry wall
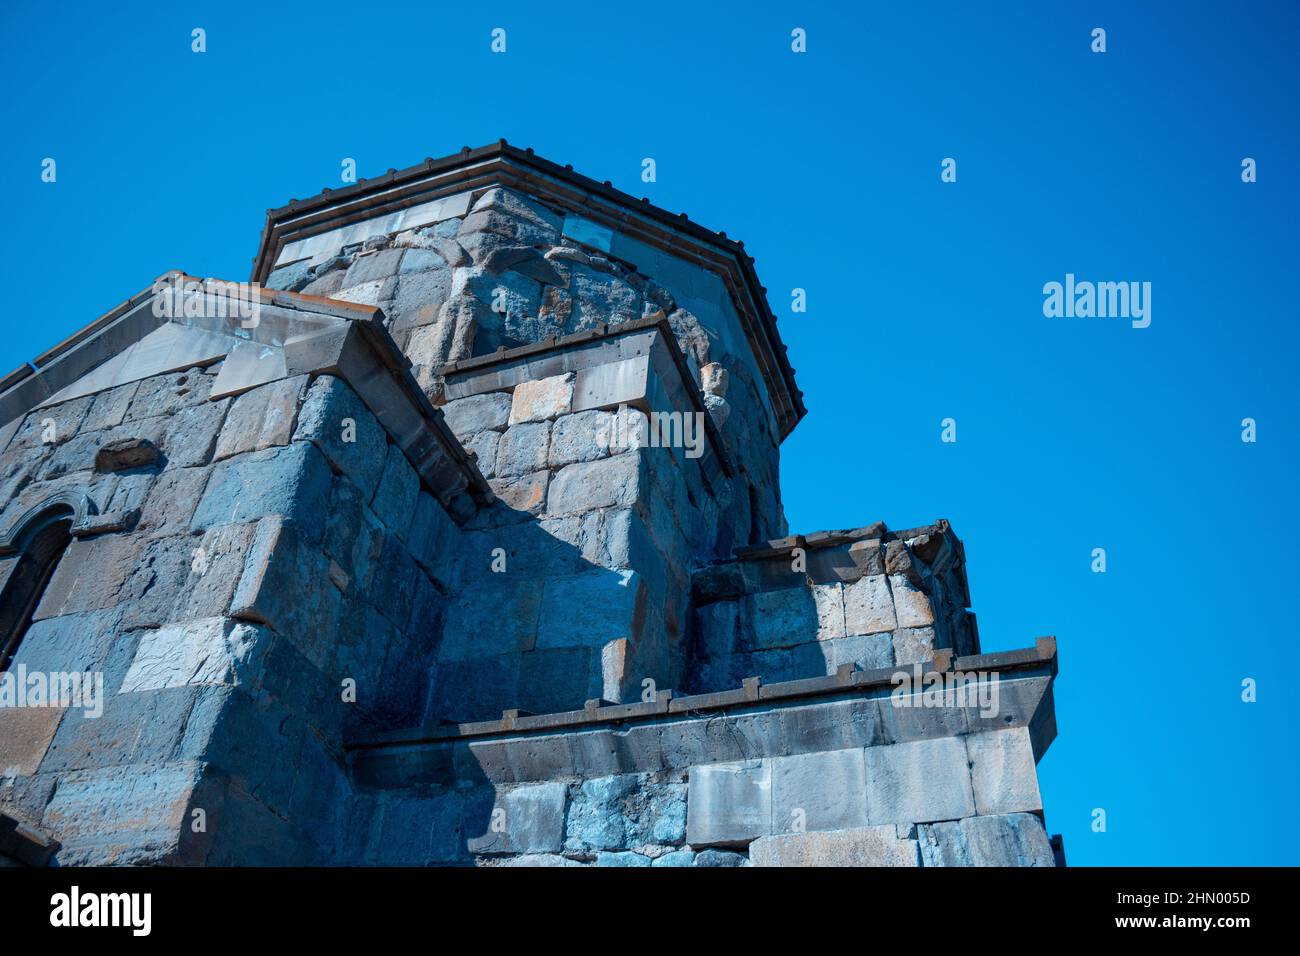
x=901 y=800
x=255 y=561
x=574 y=586
x=868 y=599
x=502 y=270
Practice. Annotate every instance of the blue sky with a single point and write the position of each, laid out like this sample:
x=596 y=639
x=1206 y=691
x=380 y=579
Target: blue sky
x=924 y=298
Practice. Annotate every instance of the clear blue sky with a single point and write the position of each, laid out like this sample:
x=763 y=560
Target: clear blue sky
x=925 y=298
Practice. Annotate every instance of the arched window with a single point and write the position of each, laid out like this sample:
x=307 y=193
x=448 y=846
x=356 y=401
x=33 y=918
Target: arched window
x=31 y=551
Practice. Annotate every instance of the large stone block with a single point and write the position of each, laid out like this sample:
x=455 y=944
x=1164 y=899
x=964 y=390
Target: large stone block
x=213 y=650
x=527 y=493
x=484 y=448
x=168 y=394
x=918 y=782
x=477 y=689
x=863 y=846
x=171 y=501
x=469 y=416
x=292 y=482
x=819 y=791
x=718 y=628
x=793 y=616
x=191 y=436
x=590 y=609
x=394 y=501
x=913 y=645
x=91 y=575
x=523 y=449
x=496 y=618
x=557 y=679
x=70 y=642
x=121 y=815
x=25 y=735
x=864 y=651
x=525 y=819
x=336 y=421
x=215 y=564
x=423 y=285
x=729 y=803
x=1015 y=839
x=912 y=604
x=1003 y=774
x=581 y=437
x=868 y=606
x=540 y=399
x=616 y=482
x=261 y=418
x=286 y=586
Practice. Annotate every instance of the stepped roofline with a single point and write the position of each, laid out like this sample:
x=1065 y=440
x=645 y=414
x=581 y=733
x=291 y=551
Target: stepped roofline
x=500 y=164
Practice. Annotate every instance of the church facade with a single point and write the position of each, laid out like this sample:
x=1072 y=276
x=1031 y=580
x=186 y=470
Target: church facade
x=455 y=538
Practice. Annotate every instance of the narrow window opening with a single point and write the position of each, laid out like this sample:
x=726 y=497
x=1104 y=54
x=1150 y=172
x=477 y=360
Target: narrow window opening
x=40 y=545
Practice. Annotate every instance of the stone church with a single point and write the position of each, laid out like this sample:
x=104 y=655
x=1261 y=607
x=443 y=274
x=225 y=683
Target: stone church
x=455 y=537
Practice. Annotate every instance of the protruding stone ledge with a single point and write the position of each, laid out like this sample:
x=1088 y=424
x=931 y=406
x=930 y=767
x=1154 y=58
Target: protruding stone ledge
x=851 y=708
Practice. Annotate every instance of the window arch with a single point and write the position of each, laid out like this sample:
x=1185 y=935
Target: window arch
x=32 y=550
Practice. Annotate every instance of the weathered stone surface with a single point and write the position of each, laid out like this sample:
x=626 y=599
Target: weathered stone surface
x=523 y=449
x=623 y=812
x=268 y=592
x=526 y=493
x=868 y=606
x=912 y=603
x=682 y=857
x=394 y=501
x=192 y=434
x=590 y=609
x=729 y=803
x=484 y=447
x=608 y=483
x=292 y=482
x=209 y=651
x=864 y=651
x=541 y=399
x=1003 y=773
x=336 y=421
x=25 y=735
x=469 y=416
x=919 y=781
x=819 y=791
x=261 y=418
x=581 y=437
x=171 y=501
x=168 y=394
x=621 y=858
x=913 y=645
x=793 y=616
x=1016 y=839
x=121 y=815
x=372 y=267
x=864 y=846
x=528 y=819
x=712 y=858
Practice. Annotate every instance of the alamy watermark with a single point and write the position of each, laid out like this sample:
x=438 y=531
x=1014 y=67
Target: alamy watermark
x=23 y=688
x=917 y=688
x=630 y=428
x=1098 y=300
